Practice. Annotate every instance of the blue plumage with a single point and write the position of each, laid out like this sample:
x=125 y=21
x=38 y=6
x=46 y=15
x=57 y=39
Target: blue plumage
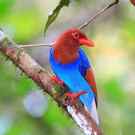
x=73 y=76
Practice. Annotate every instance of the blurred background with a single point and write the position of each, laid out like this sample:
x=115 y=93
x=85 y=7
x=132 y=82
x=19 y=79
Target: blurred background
x=25 y=110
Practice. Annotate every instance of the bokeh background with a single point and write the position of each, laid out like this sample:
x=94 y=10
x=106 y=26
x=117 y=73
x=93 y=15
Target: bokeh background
x=25 y=110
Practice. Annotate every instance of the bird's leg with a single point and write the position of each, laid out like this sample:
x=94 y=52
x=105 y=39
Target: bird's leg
x=71 y=98
x=56 y=80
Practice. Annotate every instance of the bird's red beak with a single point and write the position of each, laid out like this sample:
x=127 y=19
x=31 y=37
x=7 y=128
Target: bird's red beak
x=86 y=42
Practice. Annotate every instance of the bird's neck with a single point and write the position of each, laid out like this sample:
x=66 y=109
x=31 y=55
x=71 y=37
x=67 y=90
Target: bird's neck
x=65 y=54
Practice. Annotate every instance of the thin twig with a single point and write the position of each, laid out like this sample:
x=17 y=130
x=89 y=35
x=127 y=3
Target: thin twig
x=98 y=14
x=35 y=45
x=32 y=45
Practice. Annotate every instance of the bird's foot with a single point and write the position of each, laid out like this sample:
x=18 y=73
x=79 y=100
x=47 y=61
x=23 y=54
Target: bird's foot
x=56 y=80
x=71 y=98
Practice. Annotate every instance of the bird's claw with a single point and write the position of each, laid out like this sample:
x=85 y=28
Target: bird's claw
x=56 y=80
x=71 y=98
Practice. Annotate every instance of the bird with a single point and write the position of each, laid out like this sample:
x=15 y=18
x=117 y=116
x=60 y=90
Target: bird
x=72 y=67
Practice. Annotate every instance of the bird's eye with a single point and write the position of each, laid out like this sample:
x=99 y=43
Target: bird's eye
x=75 y=35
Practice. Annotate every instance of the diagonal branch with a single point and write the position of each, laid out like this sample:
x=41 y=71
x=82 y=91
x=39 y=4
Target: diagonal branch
x=98 y=14
x=42 y=78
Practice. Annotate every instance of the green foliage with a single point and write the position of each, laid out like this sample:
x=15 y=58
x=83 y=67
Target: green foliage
x=55 y=12
x=25 y=25
x=129 y=30
x=21 y=127
x=114 y=91
x=19 y=84
x=5 y=6
x=58 y=118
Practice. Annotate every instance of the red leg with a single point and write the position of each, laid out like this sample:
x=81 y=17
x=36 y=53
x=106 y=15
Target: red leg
x=57 y=80
x=71 y=98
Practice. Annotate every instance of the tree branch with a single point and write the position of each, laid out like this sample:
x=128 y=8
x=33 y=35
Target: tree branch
x=42 y=78
x=98 y=14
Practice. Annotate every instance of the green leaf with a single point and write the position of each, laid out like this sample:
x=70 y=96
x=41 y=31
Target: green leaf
x=5 y=6
x=55 y=13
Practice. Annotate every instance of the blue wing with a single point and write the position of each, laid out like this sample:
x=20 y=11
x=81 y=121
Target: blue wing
x=72 y=75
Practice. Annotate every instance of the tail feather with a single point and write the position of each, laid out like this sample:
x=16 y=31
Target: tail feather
x=89 y=102
x=94 y=113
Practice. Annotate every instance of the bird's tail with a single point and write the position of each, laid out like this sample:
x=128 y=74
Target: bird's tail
x=94 y=113
x=89 y=102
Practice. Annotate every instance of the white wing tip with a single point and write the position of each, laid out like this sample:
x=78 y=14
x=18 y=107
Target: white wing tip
x=94 y=113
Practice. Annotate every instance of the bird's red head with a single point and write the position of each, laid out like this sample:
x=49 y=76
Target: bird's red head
x=67 y=45
x=74 y=37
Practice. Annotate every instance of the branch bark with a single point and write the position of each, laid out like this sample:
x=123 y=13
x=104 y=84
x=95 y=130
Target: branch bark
x=42 y=78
